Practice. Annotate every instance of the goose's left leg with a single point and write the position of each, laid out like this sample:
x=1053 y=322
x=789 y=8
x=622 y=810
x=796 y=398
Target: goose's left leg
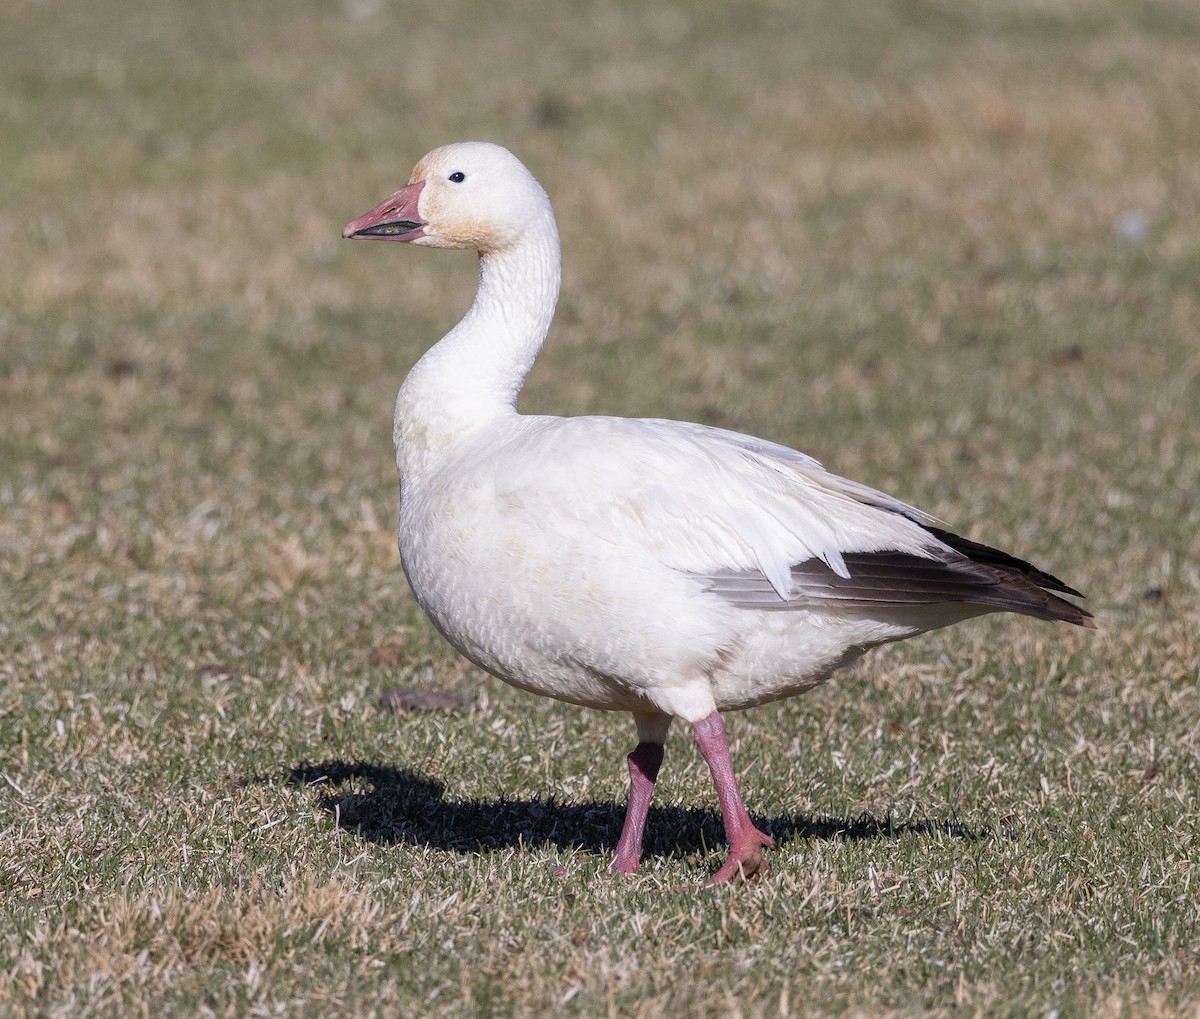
x=644 y=762
x=746 y=842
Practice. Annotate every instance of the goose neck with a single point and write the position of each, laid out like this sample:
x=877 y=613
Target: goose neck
x=475 y=373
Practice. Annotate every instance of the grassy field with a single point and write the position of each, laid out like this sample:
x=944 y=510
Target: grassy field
x=950 y=248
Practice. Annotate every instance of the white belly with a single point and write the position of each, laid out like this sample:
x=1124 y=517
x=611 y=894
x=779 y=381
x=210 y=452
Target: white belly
x=605 y=626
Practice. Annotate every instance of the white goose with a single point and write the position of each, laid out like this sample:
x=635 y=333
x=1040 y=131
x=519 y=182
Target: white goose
x=656 y=567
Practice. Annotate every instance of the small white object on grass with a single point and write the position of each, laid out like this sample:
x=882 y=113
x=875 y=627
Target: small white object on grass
x=1133 y=226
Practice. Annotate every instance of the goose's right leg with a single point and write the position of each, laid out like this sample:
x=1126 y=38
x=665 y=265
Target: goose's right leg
x=644 y=762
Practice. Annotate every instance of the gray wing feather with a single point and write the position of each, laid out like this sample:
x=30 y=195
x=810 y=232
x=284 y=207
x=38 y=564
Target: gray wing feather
x=900 y=579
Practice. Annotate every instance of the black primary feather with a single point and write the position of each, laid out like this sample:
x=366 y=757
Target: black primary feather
x=958 y=571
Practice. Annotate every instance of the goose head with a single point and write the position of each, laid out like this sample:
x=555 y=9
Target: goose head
x=468 y=195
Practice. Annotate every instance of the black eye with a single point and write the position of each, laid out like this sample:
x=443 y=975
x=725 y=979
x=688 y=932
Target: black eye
x=457 y=177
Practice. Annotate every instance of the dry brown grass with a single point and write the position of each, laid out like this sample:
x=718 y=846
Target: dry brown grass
x=952 y=249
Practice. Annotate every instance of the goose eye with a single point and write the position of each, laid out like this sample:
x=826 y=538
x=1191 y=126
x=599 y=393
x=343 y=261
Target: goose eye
x=457 y=177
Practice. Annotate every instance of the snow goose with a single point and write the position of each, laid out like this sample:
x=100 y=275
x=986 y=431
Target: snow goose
x=656 y=567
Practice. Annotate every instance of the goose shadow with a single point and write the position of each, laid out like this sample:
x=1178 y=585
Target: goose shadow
x=392 y=805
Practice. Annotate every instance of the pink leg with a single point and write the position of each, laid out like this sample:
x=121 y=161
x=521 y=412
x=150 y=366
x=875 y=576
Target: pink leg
x=746 y=842
x=644 y=763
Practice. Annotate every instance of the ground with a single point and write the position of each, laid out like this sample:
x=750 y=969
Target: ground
x=951 y=249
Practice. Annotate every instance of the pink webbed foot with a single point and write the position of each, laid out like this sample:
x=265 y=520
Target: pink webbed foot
x=746 y=861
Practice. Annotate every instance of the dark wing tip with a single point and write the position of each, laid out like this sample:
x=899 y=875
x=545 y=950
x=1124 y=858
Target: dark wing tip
x=989 y=556
x=1021 y=572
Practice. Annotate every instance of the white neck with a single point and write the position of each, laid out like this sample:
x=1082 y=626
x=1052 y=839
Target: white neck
x=473 y=374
